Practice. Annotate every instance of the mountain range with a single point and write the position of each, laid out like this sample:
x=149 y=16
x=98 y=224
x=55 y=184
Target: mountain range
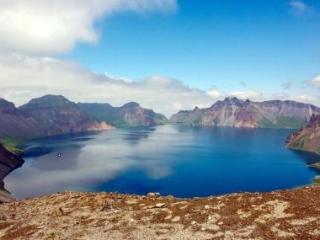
x=130 y=114
x=233 y=112
x=46 y=116
x=54 y=115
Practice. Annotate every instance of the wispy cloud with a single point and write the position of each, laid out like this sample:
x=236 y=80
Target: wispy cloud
x=315 y=82
x=287 y=85
x=300 y=7
x=243 y=84
x=47 y=27
x=249 y=94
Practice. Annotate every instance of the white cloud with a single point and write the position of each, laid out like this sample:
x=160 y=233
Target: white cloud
x=23 y=78
x=214 y=93
x=306 y=98
x=46 y=27
x=315 y=82
x=300 y=7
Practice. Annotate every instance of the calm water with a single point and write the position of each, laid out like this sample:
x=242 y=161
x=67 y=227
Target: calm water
x=181 y=161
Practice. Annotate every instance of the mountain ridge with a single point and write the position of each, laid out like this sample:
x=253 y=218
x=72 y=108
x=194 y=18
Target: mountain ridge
x=233 y=112
x=45 y=116
x=128 y=115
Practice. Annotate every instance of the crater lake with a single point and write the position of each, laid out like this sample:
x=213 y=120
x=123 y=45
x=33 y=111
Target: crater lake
x=172 y=160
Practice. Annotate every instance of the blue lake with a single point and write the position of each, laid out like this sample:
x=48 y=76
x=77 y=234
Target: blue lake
x=172 y=160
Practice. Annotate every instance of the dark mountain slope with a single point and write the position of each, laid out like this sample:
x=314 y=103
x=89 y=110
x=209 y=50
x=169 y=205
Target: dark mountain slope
x=128 y=115
x=8 y=162
x=45 y=116
x=307 y=138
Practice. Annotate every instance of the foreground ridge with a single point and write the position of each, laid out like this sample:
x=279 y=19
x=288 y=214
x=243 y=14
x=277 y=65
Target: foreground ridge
x=292 y=214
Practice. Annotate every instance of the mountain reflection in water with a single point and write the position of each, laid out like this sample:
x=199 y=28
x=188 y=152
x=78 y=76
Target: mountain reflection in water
x=182 y=161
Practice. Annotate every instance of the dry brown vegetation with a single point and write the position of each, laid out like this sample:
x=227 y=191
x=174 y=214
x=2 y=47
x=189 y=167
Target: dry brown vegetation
x=277 y=215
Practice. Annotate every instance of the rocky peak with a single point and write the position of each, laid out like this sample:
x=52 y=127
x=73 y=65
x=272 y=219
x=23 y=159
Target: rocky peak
x=131 y=105
x=314 y=120
x=230 y=101
x=48 y=101
x=233 y=100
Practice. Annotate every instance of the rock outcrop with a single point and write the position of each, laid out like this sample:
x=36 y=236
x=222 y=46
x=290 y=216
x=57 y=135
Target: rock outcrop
x=8 y=163
x=128 y=115
x=307 y=138
x=292 y=214
x=233 y=112
x=46 y=116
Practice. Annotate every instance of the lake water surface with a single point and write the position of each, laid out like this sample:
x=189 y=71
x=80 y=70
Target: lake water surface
x=175 y=160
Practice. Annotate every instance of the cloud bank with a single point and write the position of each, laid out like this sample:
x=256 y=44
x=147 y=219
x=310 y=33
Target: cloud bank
x=24 y=77
x=47 y=27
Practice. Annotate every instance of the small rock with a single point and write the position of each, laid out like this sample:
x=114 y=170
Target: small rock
x=131 y=201
x=160 y=205
x=3 y=217
x=176 y=219
x=153 y=194
x=106 y=206
x=206 y=207
x=193 y=222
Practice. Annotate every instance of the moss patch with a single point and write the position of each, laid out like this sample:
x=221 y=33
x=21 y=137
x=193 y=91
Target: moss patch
x=12 y=145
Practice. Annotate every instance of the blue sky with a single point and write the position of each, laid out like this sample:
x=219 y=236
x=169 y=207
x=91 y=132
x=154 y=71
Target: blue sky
x=209 y=43
x=167 y=55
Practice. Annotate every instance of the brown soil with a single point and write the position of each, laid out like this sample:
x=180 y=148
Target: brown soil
x=277 y=215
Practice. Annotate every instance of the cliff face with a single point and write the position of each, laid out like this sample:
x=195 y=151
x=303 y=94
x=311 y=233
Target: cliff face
x=307 y=138
x=128 y=115
x=15 y=123
x=233 y=112
x=45 y=116
x=293 y=214
x=8 y=162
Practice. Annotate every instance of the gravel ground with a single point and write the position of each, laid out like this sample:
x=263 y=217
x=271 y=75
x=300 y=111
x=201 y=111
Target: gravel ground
x=293 y=214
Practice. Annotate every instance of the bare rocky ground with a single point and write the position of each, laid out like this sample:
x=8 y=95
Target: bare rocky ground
x=291 y=214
